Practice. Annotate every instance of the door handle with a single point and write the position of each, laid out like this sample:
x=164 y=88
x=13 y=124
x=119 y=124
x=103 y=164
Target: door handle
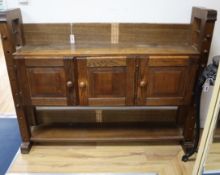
x=82 y=84
x=69 y=84
x=143 y=83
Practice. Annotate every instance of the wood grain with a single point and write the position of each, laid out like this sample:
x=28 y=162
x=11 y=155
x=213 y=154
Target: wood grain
x=213 y=158
x=203 y=22
x=109 y=115
x=82 y=78
x=162 y=82
x=92 y=32
x=97 y=49
x=46 y=33
x=154 y=33
x=105 y=132
x=70 y=78
x=38 y=34
x=168 y=60
x=106 y=61
x=109 y=80
x=164 y=160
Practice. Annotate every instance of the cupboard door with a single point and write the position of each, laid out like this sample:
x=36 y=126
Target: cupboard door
x=106 y=81
x=162 y=80
x=49 y=84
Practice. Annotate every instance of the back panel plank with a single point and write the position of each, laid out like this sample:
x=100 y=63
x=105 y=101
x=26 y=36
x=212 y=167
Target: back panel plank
x=38 y=34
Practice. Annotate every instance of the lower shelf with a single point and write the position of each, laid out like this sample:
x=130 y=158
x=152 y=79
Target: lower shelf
x=104 y=133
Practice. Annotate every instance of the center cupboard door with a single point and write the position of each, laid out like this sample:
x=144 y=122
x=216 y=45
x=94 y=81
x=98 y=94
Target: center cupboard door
x=163 y=80
x=106 y=81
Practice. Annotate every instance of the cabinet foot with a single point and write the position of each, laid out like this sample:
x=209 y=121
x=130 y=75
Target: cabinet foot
x=189 y=149
x=25 y=147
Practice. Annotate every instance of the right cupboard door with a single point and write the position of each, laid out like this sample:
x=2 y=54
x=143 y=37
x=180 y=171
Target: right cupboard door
x=162 y=80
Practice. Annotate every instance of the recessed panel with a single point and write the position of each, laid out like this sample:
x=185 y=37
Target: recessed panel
x=166 y=82
x=47 y=82
x=107 y=82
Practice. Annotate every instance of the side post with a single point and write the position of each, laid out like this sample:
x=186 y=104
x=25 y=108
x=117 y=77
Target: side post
x=12 y=36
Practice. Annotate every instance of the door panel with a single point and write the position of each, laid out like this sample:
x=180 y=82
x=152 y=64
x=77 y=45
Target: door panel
x=102 y=82
x=162 y=80
x=52 y=84
x=106 y=81
x=166 y=81
x=48 y=82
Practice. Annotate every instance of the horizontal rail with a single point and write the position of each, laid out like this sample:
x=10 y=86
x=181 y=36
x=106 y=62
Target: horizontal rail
x=107 y=108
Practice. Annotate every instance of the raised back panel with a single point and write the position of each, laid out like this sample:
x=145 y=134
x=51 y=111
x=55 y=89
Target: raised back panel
x=46 y=34
x=108 y=33
x=86 y=33
x=155 y=33
x=59 y=33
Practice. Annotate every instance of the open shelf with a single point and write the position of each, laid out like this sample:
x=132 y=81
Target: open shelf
x=104 y=133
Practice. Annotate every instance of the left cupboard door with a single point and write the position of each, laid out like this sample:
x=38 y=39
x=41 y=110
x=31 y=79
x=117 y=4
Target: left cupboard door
x=48 y=82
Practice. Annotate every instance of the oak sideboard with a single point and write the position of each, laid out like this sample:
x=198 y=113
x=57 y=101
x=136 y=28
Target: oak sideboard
x=119 y=82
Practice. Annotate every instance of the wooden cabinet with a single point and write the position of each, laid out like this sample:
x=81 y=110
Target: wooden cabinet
x=109 y=81
x=115 y=91
x=106 y=81
x=117 y=74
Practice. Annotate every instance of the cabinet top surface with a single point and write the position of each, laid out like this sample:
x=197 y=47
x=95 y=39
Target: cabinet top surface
x=92 y=49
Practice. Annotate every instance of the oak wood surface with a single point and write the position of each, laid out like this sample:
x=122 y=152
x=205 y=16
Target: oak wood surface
x=88 y=49
x=164 y=52
x=129 y=114
x=114 y=132
x=108 y=81
x=142 y=33
x=162 y=82
x=203 y=22
x=47 y=82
